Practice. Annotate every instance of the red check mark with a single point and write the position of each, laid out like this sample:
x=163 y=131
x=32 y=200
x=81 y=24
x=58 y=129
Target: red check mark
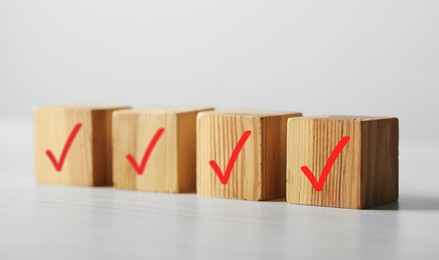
x=140 y=168
x=224 y=178
x=318 y=186
x=58 y=164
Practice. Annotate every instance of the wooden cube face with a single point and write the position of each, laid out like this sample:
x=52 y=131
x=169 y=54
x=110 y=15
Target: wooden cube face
x=73 y=145
x=361 y=170
x=154 y=149
x=241 y=154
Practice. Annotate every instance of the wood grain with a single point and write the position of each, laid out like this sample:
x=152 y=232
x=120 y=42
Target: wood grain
x=88 y=162
x=46 y=221
x=364 y=175
x=171 y=165
x=259 y=171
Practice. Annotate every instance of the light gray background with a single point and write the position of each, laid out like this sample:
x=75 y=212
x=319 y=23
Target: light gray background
x=317 y=57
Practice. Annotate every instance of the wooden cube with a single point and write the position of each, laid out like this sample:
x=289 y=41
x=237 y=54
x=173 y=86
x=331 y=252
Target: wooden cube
x=358 y=156
x=73 y=145
x=154 y=149
x=241 y=154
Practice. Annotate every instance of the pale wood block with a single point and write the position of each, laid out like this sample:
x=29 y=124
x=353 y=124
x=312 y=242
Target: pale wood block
x=170 y=166
x=259 y=170
x=364 y=174
x=87 y=161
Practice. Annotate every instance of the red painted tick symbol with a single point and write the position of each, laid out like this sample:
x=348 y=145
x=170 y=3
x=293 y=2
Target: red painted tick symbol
x=224 y=178
x=59 y=164
x=318 y=186
x=140 y=168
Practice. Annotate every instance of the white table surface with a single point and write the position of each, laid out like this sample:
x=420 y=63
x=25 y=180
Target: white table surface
x=61 y=222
